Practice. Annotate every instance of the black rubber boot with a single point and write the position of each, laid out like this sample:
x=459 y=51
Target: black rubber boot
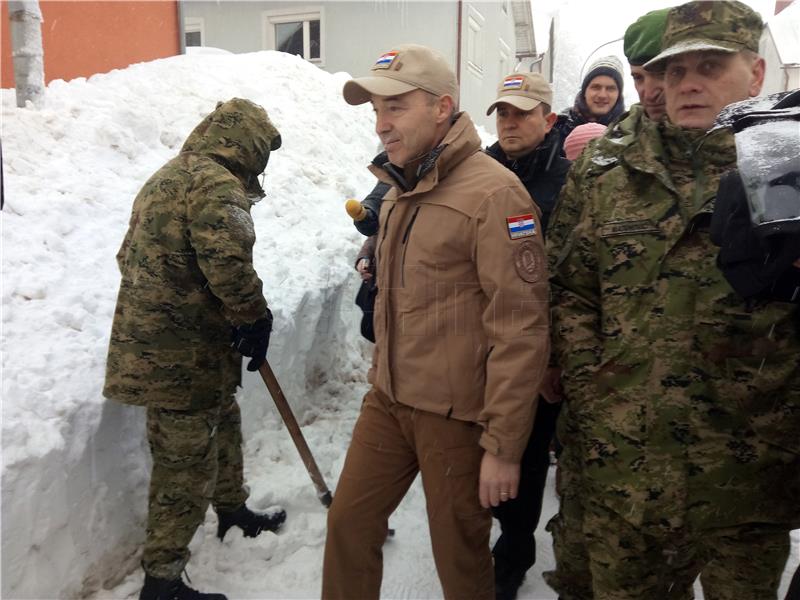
x=249 y=522
x=172 y=589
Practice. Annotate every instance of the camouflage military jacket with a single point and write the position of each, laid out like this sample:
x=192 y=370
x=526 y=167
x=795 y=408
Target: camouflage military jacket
x=664 y=366
x=187 y=269
x=602 y=155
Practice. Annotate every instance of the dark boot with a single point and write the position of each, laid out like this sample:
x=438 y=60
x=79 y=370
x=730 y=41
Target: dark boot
x=249 y=522
x=172 y=589
x=507 y=581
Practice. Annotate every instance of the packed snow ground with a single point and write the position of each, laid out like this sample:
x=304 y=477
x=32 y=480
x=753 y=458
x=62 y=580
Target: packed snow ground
x=75 y=467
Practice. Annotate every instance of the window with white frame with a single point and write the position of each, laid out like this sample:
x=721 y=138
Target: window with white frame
x=475 y=51
x=505 y=57
x=295 y=31
x=193 y=31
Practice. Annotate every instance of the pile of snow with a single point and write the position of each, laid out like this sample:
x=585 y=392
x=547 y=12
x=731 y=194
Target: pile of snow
x=75 y=467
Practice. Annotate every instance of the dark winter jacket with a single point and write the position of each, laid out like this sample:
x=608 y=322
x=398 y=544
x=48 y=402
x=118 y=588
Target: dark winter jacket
x=542 y=172
x=369 y=225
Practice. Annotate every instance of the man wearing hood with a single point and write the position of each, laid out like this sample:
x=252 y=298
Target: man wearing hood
x=461 y=336
x=529 y=149
x=660 y=355
x=599 y=99
x=190 y=305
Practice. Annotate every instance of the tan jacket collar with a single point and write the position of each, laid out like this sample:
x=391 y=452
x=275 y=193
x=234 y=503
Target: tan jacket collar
x=459 y=142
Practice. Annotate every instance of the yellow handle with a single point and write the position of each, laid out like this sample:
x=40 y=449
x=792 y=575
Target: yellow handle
x=355 y=210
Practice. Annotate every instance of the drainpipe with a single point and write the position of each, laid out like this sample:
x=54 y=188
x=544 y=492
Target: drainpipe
x=181 y=29
x=786 y=70
x=460 y=9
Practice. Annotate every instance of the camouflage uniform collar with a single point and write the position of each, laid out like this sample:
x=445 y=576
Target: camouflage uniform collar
x=715 y=147
x=626 y=129
x=680 y=143
x=646 y=151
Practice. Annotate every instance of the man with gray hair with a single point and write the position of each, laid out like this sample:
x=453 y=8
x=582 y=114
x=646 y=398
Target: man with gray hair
x=461 y=336
x=660 y=353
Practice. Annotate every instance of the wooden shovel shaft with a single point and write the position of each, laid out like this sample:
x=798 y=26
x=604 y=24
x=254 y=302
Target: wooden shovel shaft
x=285 y=410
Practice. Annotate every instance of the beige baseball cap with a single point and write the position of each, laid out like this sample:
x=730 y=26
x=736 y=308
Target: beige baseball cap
x=526 y=91
x=406 y=68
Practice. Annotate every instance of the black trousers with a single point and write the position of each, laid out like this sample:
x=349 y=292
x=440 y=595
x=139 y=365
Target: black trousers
x=515 y=549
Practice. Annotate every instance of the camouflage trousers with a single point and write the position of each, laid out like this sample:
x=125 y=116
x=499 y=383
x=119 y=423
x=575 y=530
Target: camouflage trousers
x=630 y=562
x=599 y=555
x=197 y=461
x=572 y=577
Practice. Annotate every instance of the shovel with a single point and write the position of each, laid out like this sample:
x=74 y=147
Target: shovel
x=323 y=493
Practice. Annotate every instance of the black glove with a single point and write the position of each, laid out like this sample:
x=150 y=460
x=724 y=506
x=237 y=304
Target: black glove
x=253 y=340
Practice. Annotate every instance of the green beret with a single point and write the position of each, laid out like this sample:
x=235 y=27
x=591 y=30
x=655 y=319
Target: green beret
x=643 y=38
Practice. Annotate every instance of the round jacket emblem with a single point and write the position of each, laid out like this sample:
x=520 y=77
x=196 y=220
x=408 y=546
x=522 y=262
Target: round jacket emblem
x=530 y=261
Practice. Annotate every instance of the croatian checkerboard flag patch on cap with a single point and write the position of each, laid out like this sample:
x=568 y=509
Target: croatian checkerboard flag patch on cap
x=513 y=82
x=385 y=61
x=521 y=226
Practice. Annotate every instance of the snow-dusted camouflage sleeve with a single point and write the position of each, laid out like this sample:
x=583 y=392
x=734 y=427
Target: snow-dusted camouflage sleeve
x=222 y=234
x=575 y=294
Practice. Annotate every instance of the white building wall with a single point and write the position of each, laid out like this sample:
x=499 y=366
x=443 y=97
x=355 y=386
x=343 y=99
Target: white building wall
x=488 y=55
x=230 y=25
x=354 y=34
x=778 y=77
x=774 y=74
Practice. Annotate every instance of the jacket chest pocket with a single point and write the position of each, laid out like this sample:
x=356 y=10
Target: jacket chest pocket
x=630 y=252
x=434 y=255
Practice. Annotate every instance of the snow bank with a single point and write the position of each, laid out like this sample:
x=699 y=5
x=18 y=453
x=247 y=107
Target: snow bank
x=74 y=465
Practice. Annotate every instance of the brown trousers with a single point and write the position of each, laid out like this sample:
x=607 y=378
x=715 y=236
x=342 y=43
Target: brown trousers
x=391 y=443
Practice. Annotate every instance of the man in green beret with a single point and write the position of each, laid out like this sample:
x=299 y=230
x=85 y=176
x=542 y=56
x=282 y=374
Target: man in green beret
x=642 y=42
x=571 y=577
x=659 y=353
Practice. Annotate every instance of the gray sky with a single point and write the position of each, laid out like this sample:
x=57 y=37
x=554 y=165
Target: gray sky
x=584 y=25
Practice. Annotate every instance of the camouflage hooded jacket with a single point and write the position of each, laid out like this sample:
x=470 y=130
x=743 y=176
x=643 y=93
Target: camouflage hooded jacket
x=667 y=373
x=187 y=268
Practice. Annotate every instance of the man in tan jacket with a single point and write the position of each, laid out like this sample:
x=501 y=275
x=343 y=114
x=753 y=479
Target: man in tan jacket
x=461 y=327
